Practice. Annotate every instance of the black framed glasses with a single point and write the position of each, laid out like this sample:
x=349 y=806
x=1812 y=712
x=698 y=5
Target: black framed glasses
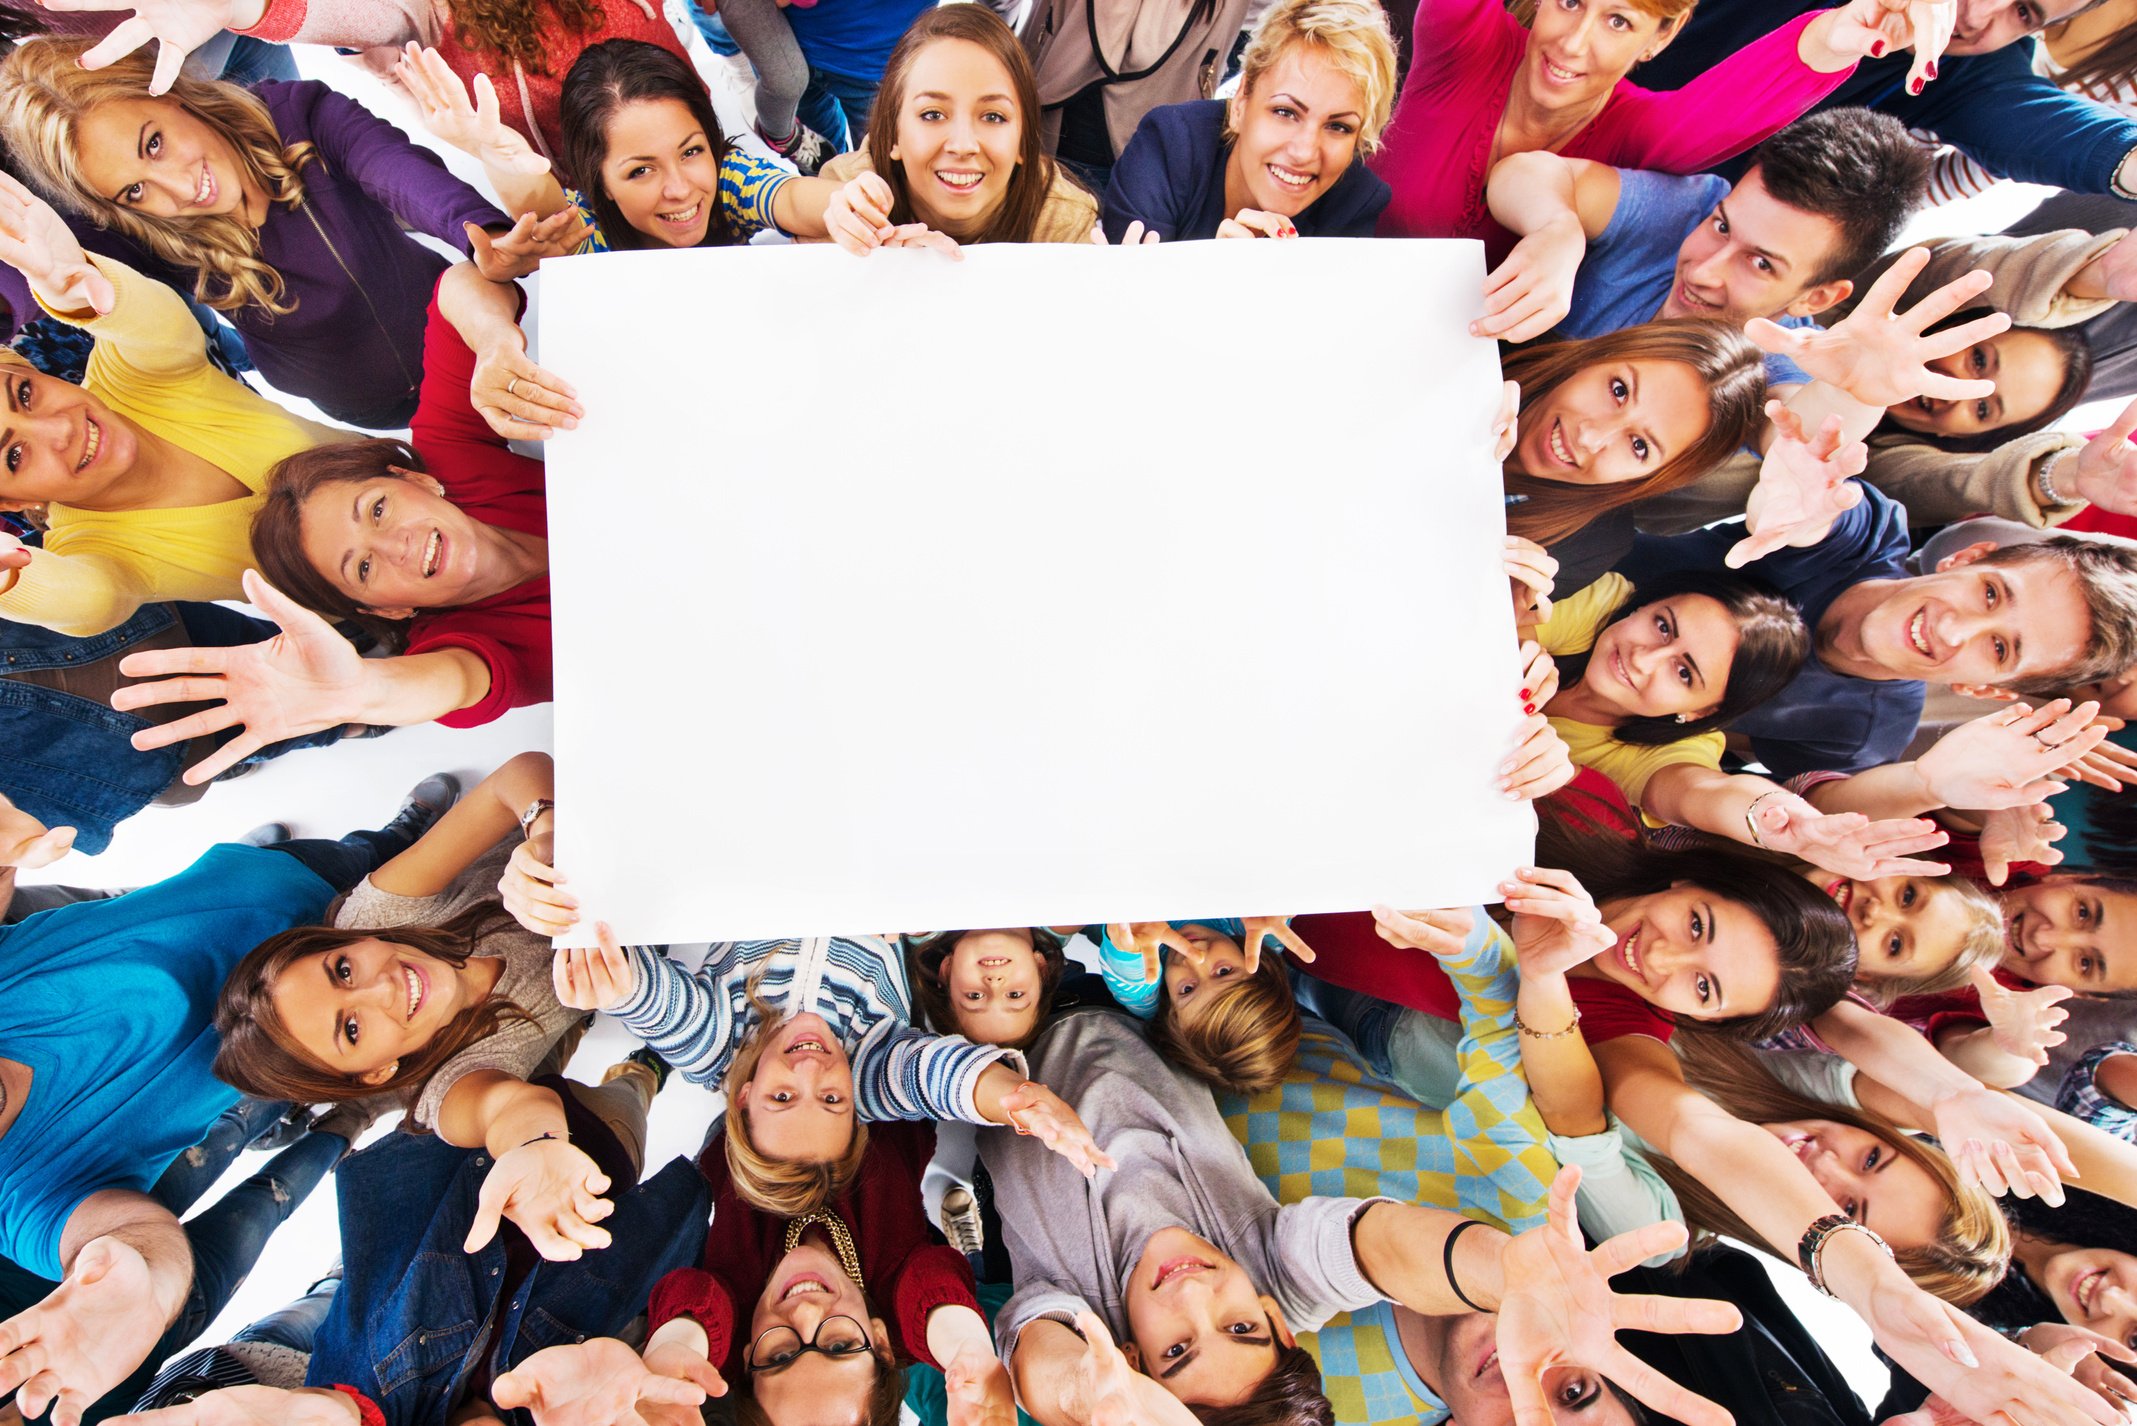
x=839 y=1338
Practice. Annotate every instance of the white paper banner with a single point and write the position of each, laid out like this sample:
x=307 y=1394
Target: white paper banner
x=1057 y=585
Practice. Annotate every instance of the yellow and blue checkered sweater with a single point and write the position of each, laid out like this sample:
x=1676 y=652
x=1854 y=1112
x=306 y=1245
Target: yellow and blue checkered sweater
x=1335 y=1128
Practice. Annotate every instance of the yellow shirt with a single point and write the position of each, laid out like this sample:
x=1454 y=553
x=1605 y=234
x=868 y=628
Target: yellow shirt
x=150 y=365
x=1572 y=629
x=1068 y=216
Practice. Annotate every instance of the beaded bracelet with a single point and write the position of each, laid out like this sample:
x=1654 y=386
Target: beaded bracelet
x=1522 y=1026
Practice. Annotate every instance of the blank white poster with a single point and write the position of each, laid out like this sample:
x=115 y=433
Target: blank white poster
x=1057 y=585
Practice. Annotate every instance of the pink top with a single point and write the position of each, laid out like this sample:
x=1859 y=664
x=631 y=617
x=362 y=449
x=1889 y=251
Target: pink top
x=1467 y=52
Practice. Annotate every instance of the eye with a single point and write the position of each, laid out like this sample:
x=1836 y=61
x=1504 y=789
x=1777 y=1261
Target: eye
x=1699 y=927
x=1893 y=948
x=1909 y=895
x=1977 y=358
x=1284 y=111
x=1016 y=995
x=995 y=116
x=1222 y=973
x=1981 y=412
x=1173 y=1352
x=2084 y=913
x=782 y=1096
x=972 y=995
x=1619 y=23
x=1639 y=449
x=1705 y=988
x=22 y=393
x=2088 y=967
x=378 y=509
x=348 y=1029
x=363 y=570
x=1240 y=1329
x=638 y=171
x=1684 y=674
x=1873 y=1158
x=14 y=458
x=1619 y=390
x=833 y=1097
x=1578 y=1393
x=1187 y=988
x=931 y=116
x=155 y=144
x=1853 y=1208
x=342 y=971
x=693 y=151
x=2001 y=649
x=1764 y=265
x=1721 y=224
x=1339 y=126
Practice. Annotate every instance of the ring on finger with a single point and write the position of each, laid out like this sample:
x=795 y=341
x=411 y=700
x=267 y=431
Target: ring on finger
x=2038 y=737
x=512 y=389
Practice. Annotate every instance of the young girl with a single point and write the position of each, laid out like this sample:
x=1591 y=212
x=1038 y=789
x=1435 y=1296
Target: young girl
x=425 y=990
x=653 y=167
x=1281 y=157
x=282 y=208
x=994 y=987
x=1219 y=1008
x=1648 y=682
x=955 y=144
x=150 y=471
x=447 y=535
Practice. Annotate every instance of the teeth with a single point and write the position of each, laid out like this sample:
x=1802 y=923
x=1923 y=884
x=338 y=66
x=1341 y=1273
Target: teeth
x=92 y=442
x=430 y=554
x=1290 y=176
x=1563 y=75
x=207 y=185
x=1914 y=633
x=806 y=1285
x=959 y=179
x=810 y=1043
x=685 y=215
x=1559 y=447
x=415 y=990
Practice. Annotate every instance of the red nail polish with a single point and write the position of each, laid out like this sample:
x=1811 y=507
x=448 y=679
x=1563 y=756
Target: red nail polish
x=1528 y=708
x=1877 y=50
x=1526 y=695
x=1914 y=86
x=1932 y=70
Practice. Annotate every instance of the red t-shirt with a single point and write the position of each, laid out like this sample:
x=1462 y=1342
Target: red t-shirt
x=908 y=1276
x=485 y=477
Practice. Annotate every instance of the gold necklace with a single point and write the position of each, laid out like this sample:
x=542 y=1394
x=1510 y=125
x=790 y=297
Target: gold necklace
x=841 y=1237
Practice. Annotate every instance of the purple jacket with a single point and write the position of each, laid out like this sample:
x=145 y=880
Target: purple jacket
x=362 y=286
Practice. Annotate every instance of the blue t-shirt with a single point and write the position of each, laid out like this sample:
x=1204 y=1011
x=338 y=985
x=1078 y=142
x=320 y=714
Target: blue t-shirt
x=111 y=1004
x=1170 y=178
x=852 y=38
x=1629 y=268
x=1822 y=721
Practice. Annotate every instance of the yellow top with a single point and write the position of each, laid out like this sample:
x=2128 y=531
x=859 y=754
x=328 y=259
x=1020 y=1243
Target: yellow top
x=1068 y=216
x=1572 y=629
x=150 y=365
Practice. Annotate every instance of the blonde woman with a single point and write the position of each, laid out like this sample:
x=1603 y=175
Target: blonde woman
x=282 y=208
x=1280 y=158
x=150 y=471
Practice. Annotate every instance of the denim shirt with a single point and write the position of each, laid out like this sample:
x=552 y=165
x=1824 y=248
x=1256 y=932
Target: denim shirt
x=71 y=761
x=406 y=1326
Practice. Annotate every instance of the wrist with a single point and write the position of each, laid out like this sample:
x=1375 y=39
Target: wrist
x=2049 y=484
x=685 y=1332
x=1854 y=1265
x=244 y=14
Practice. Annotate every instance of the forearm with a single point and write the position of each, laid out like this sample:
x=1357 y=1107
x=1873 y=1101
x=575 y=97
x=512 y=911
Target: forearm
x=1814 y=46
x=1527 y=192
x=149 y=1229
x=1978 y=1055
x=996 y=1083
x=1402 y=1250
x=2106 y=1165
x=496 y=1111
x=955 y=1329
x=1563 y=1079
x=483 y=312
x=1894 y=790
x=798 y=207
x=501 y=798
x=519 y=194
x=1893 y=1053
x=1045 y=1367
x=1818 y=401
x=1691 y=795
x=417 y=688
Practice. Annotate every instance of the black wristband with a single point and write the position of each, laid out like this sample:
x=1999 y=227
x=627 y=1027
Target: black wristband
x=1447 y=1260
x=546 y=1134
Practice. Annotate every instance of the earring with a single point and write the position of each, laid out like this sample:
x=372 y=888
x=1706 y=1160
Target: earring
x=1684 y=717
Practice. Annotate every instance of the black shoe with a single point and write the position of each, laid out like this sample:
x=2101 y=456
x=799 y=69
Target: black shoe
x=266 y=834
x=425 y=803
x=294 y=1124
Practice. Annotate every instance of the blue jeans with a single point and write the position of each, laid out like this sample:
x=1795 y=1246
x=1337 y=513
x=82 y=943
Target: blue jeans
x=836 y=106
x=714 y=29
x=70 y=760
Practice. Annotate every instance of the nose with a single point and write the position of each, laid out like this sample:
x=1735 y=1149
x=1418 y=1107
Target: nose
x=963 y=137
x=673 y=186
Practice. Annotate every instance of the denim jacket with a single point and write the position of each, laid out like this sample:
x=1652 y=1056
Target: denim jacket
x=406 y=1325
x=71 y=762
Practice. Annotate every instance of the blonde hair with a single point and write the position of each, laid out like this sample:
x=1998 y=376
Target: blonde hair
x=1972 y=1249
x=790 y=1188
x=1980 y=947
x=1244 y=1040
x=44 y=94
x=1352 y=34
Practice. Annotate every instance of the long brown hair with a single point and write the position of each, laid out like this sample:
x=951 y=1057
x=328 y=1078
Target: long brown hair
x=44 y=94
x=261 y=1057
x=1972 y=1248
x=519 y=30
x=1244 y=1041
x=278 y=525
x=603 y=81
x=1033 y=181
x=1727 y=364
x=2106 y=67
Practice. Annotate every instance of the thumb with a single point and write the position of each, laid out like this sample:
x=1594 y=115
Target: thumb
x=2065 y=1356
x=707 y=1376
x=94 y=1262
x=98 y=289
x=1772 y=336
x=479 y=246
x=292 y=617
x=2125 y=425
x=514 y=1390
x=1986 y=983
x=489 y=1210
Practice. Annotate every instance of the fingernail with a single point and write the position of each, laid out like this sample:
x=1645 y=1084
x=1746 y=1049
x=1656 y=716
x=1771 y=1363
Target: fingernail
x=1958 y=1351
x=1528 y=708
x=1526 y=695
x=1877 y=50
x=1932 y=69
x=1914 y=86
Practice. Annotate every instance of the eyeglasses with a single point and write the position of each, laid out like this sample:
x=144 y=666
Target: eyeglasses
x=838 y=1338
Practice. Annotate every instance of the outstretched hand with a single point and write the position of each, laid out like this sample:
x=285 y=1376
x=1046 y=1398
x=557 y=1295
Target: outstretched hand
x=177 y=27
x=2002 y=1145
x=476 y=125
x=1116 y=1394
x=1558 y=1310
x=255 y=1406
x=2106 y=475
x=1880 y=355
x=84 y=1338
x=2009 y=758
x=1848 y=843
x=1556 y=923
x=26 y=843
x=1805 y=484
x=37 y=242
x=599 y=977
x=1031 y=1108
x=2019 y=834
x=302 y=680
x=602 y=1382
x=551 y=1190
x=2022 y=1022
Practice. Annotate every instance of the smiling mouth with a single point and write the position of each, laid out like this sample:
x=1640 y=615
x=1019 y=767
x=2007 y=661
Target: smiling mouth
x=1916 y=635
x=1559 y=449
x=1842 y=892
x=960 y=180
x=1491 y=1359
x=418 y=989
x=432 y=552
x=808 y=1045
x=807 y=1284
x=1617 y=663
x=683 y=217
x=1290 y=178
x=1177 y=1268
x=1560 y=75
x=2087 y=1291
x=1686 y=298
x=993 y=961
x=1629 y=954
x=205 y=194
x=92 y=442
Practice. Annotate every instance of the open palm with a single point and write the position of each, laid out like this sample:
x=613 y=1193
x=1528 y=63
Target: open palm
x=86 y=1337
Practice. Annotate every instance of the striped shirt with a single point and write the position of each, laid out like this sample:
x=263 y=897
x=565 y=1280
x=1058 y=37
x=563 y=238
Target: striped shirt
x=747 y=186
x=857 y=984
x=1335 y=1128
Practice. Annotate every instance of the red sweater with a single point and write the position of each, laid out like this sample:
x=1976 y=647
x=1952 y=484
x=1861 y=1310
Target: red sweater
x=908 y=1275
x=485 y=477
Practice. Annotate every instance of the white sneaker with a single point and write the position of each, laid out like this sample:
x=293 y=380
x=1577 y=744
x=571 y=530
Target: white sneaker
x=960 y=1221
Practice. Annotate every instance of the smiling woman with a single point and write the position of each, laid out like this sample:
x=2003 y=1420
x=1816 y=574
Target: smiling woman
x=2040 y=373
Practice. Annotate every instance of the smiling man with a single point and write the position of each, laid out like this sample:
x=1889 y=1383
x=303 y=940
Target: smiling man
x=2032 y=619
